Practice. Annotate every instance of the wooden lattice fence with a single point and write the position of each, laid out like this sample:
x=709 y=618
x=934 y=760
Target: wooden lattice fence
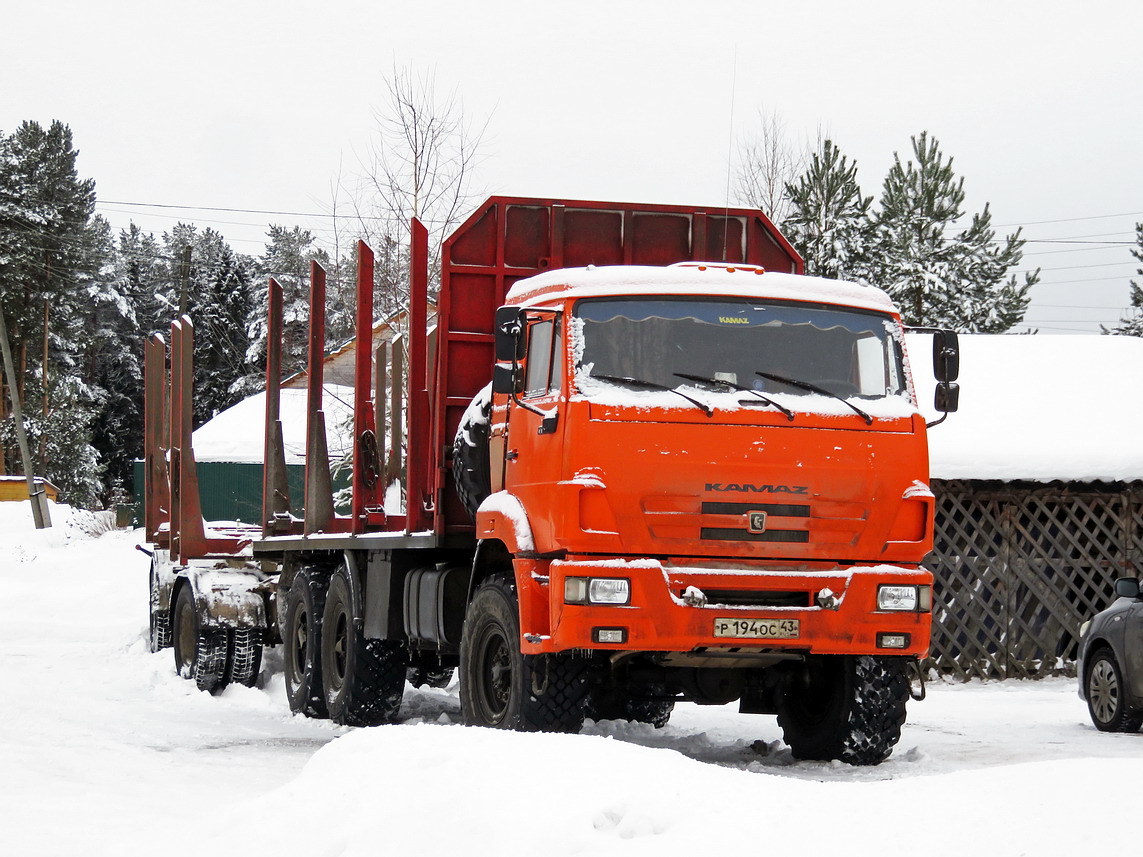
x=1020 y=566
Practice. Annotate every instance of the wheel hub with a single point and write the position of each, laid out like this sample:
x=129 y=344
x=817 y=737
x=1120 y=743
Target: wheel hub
x=1103 y=691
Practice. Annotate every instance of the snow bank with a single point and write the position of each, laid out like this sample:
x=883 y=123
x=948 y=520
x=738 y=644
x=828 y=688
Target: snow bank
x=105 y=751
x=237 y=434
x=1038 y=408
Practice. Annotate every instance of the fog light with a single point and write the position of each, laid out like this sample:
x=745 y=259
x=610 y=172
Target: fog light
x=892 y=641
x=609 y=590
x=609 y=635
x=897 y=598
x=575 y=590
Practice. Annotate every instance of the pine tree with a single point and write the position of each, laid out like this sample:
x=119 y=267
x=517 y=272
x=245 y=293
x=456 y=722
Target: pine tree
x=959 y=281
x=220 y=336
x=53 y=262
x=1133 y=325
x=829 y=221
x=287 y=260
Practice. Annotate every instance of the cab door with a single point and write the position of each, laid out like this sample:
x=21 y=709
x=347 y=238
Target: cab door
x=534 y=441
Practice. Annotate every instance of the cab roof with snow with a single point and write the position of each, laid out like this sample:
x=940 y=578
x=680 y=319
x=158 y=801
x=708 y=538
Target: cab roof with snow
x=691 y=278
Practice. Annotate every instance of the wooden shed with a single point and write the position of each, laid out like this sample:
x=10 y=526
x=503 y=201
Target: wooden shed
x=16 y=488
x=1039 y=486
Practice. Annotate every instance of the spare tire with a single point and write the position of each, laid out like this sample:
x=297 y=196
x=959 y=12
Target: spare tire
x=470 y=456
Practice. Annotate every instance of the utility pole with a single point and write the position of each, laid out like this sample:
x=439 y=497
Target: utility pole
x=35 y=492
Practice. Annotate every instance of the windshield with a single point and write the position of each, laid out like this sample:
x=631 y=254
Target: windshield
x=676 y=342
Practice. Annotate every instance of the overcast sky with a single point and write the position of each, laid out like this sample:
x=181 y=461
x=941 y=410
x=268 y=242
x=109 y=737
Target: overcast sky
x=260 y=105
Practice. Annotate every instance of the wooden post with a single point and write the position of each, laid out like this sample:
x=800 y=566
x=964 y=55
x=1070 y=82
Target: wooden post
x=35 y=492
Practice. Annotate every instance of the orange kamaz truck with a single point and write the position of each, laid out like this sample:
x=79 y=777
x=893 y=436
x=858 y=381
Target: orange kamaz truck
x=638 y=458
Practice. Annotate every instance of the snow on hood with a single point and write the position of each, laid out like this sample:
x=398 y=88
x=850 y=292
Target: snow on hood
x=237 y=434
x=1039 y=408
x=689 y=280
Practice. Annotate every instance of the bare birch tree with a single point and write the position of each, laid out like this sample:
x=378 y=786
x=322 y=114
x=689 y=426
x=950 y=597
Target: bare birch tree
x=420 y=164
x=768 y=160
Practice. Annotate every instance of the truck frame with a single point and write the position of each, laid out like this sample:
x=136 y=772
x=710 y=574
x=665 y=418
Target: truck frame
x=643 y=460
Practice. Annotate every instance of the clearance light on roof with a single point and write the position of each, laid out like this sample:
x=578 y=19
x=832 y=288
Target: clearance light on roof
x=729 y=268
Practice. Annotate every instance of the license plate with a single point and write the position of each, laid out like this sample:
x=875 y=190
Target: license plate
x=757 y=629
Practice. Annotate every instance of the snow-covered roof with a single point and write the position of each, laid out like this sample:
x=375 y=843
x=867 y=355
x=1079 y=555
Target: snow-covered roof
x=237 y=434
x=1039 y=408
x=697 y=278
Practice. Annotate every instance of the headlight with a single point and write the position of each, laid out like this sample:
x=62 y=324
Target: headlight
x=1084 y=628
x=915 y=599
x=597 y=590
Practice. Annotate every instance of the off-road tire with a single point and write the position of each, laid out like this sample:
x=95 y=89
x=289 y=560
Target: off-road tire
x=438 y=677
x=503 y=688
x=470 y=454
x=614 y=703
x=1105 y=693
x=159 y=635
x=845 y=707
x=201 y=653
x=305 y=604
x=364 y=680
x=245 y=656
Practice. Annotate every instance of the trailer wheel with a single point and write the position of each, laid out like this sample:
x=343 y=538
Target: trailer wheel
x=305 y=603
x=159 y=636
x=845 y=707
x=364 y=680
x=200 y=653
x=246 y=656
x=470 y=463
x=503 y=688
x=613 y=703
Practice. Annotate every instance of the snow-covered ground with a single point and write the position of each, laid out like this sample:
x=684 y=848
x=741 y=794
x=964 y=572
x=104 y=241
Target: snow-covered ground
x=103 y=750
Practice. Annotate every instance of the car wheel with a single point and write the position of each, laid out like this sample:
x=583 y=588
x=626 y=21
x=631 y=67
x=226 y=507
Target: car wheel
x=1105 y=692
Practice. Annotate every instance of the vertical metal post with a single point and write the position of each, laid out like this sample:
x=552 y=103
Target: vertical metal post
x=366 y=460
x=275 y=484
x=417 y=477
x=397 y=412
x=36 y=496
x=156 y=485
x=319 y=490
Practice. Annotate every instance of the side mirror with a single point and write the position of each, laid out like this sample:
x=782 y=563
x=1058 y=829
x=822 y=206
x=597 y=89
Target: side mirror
x=1127 y=587
x=509 y=330
x=946 y=356
x=947 y=398
x=504 y=379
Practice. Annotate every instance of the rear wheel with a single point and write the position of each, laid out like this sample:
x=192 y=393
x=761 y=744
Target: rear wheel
x=246 y=656
x=305 y=603
x=503 y=688
x=201 y=653
x=159 y=636
x=1103 y=687
x=364 y=680
x=844 y=707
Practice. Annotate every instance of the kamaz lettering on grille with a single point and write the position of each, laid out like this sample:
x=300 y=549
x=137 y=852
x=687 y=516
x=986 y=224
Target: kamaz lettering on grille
x=757 y=489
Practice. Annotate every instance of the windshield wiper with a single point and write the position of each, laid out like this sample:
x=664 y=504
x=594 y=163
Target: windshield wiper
x=814 y=388
x=735 y=386
x=651 y=385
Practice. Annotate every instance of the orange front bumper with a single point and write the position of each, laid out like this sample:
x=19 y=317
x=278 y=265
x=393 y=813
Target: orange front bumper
x=661 y=618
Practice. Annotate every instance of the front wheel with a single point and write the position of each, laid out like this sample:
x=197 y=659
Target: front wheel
x=1105 y=700
x=503 y=688
x=844 y=707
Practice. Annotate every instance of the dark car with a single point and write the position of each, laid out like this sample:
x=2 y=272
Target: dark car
x=1111 y=661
